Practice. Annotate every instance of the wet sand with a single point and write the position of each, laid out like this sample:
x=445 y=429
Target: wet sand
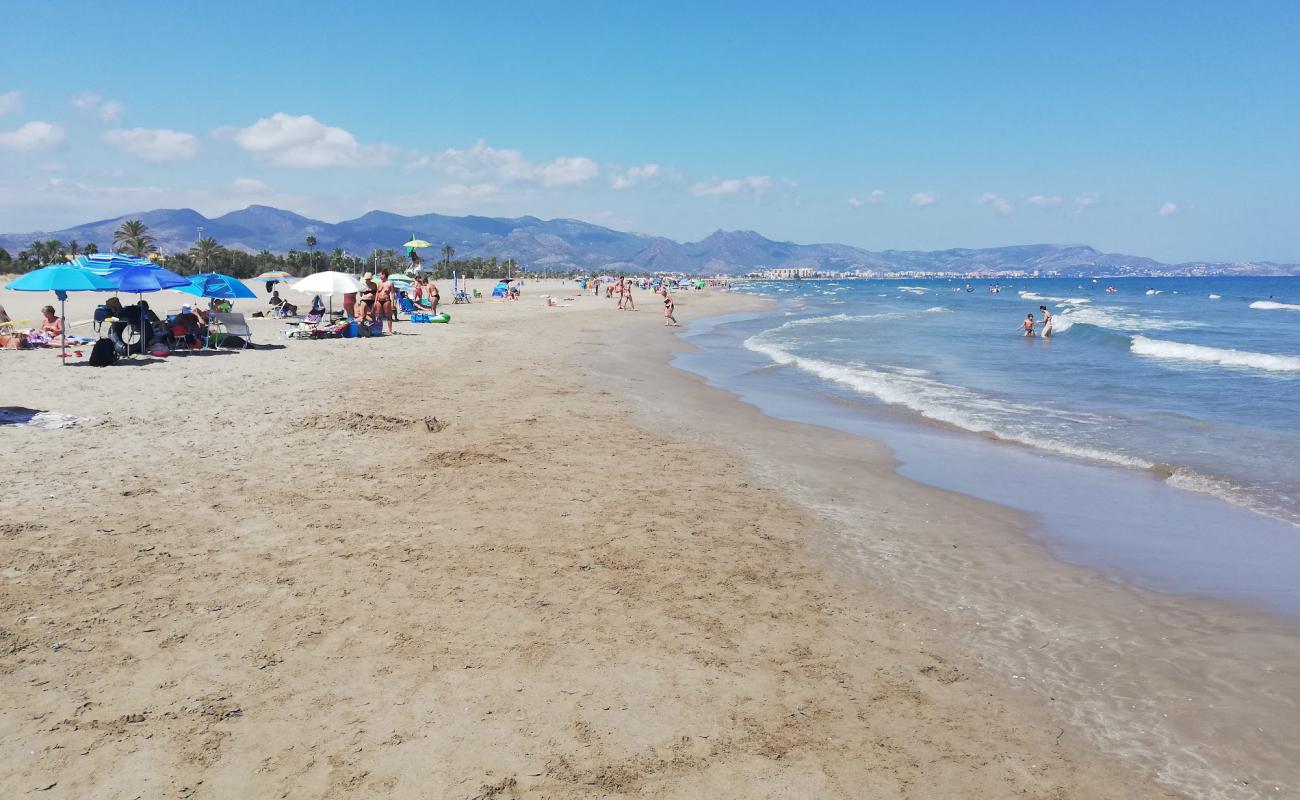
x=475 y=561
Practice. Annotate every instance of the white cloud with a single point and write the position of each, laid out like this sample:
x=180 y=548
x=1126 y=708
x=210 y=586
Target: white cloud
x=483 y=164
x=567 y=171
x=923 y=199
x=1045 y=201
x=33 y=136
x=11 y=103
x=155 y=145
x=999 y=204
x=757 y=184
x=634 y=175
x=874 y=198
x=249 y=186
x=302 y=142
x=107 y=110
x=1086 y=199
x=1168 y=209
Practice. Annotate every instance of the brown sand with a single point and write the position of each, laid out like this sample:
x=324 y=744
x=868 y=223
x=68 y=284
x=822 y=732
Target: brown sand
x=442 y=564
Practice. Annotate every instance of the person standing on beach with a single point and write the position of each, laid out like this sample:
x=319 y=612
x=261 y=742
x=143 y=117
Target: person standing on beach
x=434 y=296
x=627 y=304
x=1047 y=322
x=386 y=299
x=669 y=307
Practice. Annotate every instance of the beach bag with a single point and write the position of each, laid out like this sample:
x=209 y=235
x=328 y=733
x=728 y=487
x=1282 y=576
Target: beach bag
x=103 y=354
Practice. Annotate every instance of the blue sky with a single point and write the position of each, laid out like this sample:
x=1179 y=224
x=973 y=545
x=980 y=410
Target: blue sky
x=1163 y=129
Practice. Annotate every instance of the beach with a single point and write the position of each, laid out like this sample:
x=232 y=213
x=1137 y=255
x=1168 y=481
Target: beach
x=513 y=556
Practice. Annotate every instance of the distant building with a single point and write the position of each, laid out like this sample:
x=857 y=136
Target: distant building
x=789 y=273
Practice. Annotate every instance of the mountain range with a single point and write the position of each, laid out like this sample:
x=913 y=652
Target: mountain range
x=568 y=244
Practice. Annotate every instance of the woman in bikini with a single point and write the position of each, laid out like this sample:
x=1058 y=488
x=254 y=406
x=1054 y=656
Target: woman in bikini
x=367 y=299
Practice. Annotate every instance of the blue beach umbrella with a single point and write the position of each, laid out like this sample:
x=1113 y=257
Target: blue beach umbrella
x=139 y=278
x=214 y=284
x=61 y=279
x=104 y=263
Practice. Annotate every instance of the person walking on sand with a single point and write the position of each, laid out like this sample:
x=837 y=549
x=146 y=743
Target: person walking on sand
x=669 y=307
x=1028 y=324
x=628 y=305
x=1047 y=322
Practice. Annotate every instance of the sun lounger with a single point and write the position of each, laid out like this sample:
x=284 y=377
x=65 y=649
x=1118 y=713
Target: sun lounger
x=230 y=325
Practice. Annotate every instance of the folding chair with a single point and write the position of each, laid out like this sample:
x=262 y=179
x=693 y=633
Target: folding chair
x=231 y=325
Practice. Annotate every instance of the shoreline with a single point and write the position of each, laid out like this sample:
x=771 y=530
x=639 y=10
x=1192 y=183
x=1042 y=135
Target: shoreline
x=443 y=561
x=1070 y=606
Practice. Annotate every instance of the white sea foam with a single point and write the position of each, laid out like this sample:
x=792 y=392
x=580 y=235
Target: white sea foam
x=913 y=289
x=1153 y=292
x=1158 y=348
x=1216 y=297
x=1114 y=319
x=954 y=405
x=1075 y=301
x=936 y=310
x=1269 y=305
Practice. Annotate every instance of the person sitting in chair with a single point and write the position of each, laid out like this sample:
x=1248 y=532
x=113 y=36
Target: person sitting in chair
x=188 y=326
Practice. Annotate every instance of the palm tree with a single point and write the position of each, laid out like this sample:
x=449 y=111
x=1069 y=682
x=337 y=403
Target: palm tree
x=447 y=252
x=90 y=249
x=133 y=237
x=73 y=249
x=311 y=245
x=204 y=250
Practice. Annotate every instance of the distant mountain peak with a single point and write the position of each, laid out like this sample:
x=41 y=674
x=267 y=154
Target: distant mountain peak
x=583 y=246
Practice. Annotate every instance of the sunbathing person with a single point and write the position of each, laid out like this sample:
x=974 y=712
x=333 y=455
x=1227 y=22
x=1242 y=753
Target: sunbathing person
x=286 y=309
x=51 y=325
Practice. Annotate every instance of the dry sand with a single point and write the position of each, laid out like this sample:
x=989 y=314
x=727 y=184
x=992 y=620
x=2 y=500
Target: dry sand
x=448 y=564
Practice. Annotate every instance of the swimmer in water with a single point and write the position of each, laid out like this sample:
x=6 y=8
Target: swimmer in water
x=1047 y=322
x=1028 y=324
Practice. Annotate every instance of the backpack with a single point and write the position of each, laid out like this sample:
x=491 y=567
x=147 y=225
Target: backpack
x=103 y=354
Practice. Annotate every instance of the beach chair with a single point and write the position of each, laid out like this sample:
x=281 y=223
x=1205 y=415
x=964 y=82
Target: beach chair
x=459 y=297
x=404 y=303
x=229 y=324
x=178 y=336
x=102 y=315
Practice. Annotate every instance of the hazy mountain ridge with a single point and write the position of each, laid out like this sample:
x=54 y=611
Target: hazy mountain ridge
x=574 y=244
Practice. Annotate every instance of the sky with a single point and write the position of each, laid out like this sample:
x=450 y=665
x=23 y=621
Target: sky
x=1163 y=129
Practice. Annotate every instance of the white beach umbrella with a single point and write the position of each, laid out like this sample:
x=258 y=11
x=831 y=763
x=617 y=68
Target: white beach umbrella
x=328 y=282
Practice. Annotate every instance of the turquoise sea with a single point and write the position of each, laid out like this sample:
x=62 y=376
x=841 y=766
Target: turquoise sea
x=1166 y=411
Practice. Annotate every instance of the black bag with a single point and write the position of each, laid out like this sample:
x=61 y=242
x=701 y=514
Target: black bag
x=103 y=354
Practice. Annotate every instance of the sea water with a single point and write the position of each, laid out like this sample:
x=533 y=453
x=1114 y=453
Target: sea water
x=1156 y=432
x=1195 y=378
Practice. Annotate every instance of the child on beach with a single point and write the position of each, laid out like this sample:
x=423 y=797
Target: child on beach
x=1028 y=324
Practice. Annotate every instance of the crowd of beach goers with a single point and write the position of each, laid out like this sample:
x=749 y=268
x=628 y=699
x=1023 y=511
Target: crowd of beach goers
x=369 y=306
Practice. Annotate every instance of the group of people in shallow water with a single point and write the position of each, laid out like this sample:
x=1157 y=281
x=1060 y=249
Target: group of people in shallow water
x=622 y=288
x=1046 y=324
